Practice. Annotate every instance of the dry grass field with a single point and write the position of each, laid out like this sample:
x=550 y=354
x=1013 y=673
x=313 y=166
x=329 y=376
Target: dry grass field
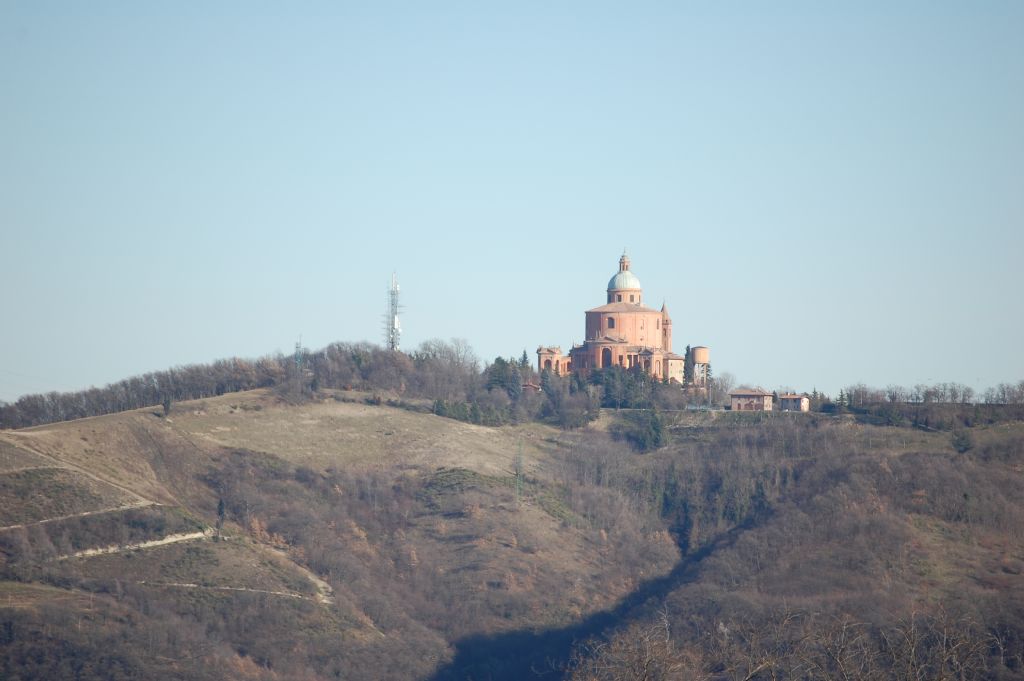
x=37 y=494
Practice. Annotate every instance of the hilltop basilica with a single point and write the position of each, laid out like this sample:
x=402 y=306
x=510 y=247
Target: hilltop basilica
x=623 y=332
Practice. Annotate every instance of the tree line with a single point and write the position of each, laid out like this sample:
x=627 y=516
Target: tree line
x=450 y=374
x=860 y=395
x=447 y=372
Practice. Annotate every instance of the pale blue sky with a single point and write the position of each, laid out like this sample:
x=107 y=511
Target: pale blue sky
x=823 y=193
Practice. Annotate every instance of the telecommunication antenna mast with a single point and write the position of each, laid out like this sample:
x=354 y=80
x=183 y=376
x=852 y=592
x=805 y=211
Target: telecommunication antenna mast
x=392 y=325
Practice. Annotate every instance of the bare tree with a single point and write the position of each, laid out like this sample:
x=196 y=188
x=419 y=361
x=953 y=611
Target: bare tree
x=720 y=387
x=639 y=653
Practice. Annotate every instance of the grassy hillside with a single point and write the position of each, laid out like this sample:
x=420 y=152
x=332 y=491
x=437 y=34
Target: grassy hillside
x=243 y=537
x=349 y=532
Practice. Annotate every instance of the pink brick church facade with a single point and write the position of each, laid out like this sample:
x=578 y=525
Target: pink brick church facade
x=622 y=332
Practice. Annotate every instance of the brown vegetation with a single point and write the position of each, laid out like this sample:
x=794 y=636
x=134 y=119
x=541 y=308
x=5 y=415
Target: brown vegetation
x=812 y=547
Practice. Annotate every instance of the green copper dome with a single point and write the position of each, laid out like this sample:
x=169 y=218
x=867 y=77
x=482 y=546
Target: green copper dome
x=623 y=279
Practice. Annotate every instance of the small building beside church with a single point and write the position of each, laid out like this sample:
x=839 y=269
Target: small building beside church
x=750 y=400
x=794 y=402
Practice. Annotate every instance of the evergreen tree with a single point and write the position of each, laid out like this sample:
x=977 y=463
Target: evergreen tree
x=639 y=388
x=460 y=411
x=547 y=385
x=514 y=383
x=505 y=374
x=440 y=408
x=962 y=441
x=497 y=374
x=221 y=512
x=645 y=429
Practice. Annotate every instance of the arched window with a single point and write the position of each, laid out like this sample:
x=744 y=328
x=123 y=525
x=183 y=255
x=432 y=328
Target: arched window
x=631 y=297
x=611 y=322
x=659 y=324
x=619 y=297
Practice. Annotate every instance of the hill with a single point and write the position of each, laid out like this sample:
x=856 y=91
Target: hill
x=241 y=536
x=348 y=530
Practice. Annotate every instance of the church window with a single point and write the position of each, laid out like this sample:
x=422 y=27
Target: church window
x=611 y=322
x=619 y=297
x=658 y=323
x=631 y=297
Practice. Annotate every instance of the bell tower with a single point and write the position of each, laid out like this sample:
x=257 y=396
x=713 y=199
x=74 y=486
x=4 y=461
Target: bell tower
x=666 y=329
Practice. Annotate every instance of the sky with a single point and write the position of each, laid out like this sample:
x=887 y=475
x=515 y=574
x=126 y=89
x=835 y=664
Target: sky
x=822 y=193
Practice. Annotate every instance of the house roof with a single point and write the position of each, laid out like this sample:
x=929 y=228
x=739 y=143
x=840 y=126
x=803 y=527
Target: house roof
x=791 y=396
x=757 y=392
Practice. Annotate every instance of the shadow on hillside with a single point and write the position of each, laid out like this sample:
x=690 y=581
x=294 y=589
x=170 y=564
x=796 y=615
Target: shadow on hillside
x=541 y=654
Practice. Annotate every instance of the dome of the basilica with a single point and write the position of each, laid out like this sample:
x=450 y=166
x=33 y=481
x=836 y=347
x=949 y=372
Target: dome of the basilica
x=623 y=280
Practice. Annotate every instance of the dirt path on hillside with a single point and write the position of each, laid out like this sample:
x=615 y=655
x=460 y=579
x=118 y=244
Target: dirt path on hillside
x=22 y=469
x=140 y=503
x=188 y=585
x=325 y=594
x=169 y=539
